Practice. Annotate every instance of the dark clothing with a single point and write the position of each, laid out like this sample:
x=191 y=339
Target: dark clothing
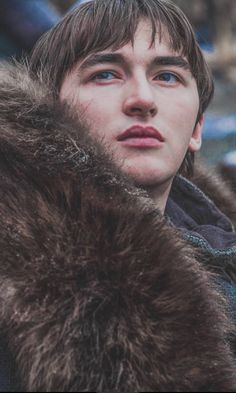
x=200 y=220
x=99 y=291
x=207 y=228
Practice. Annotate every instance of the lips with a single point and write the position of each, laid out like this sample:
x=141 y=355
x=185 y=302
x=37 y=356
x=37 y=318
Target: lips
x=141 y=132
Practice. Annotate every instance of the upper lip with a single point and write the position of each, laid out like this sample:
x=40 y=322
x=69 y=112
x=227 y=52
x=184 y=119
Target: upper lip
x=138 y=131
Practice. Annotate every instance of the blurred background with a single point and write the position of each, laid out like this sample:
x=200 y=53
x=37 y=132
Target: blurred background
x=215 y=26
x=22 y=22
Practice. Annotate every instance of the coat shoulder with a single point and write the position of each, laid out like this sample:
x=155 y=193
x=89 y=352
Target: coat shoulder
x=217 y=188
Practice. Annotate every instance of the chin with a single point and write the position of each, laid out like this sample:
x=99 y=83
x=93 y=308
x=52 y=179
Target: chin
x=147 y=171
x=147 y=177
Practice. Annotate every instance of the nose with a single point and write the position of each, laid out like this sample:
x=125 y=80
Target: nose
x=140 y=100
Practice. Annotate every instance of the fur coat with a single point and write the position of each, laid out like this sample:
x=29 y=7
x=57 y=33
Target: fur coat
x=98 y=292
x=218 y=188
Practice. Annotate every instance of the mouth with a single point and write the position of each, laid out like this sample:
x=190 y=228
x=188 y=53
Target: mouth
x=141 y=137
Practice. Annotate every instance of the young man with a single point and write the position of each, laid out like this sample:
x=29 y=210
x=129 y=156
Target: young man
x=117 y=274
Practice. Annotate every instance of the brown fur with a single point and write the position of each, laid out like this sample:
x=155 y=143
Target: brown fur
x=217 y=188
x=97 y=292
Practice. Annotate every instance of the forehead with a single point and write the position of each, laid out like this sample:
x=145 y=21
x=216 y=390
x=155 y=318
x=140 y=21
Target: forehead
x=144 y=35
x=141 y=50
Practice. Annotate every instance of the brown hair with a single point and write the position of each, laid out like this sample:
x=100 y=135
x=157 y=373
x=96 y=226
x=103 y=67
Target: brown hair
x=101 y=24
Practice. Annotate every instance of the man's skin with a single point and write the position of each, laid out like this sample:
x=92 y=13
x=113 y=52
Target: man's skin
x=149 y=86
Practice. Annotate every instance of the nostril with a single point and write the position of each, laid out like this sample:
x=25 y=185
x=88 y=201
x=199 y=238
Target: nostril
x=153 y=111
x=140 y=108
x=143 y=111
x=137 y=110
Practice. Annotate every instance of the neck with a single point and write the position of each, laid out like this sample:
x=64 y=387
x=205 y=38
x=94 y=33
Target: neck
x=159 y=194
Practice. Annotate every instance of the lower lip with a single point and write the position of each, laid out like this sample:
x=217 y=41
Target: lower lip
x=142 y=142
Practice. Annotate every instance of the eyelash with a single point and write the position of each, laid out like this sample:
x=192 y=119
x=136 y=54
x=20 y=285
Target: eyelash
x=97 y=76
x=178 y=79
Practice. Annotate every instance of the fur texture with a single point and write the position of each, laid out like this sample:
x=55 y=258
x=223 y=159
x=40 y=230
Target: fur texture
x=217 y=188
x=97 y=292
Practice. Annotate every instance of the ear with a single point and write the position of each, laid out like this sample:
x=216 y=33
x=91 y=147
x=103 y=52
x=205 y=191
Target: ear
x=196 y=140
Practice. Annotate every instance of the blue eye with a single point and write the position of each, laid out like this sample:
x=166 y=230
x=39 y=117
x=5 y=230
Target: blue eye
x=106 y=75
x=168 y=77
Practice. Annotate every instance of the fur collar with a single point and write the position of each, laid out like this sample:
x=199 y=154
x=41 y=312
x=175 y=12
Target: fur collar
x=97 y=291
x=217 y=188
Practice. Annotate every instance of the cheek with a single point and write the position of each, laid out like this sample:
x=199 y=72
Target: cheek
x=97 y=115
x=97 y=106
x=100 y=118
x=98 y=109
x=183 y=116
x=96 y=112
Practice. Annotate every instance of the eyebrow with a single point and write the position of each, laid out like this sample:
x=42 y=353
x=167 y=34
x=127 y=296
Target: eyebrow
x=95 y=59
x=177 y=61
x=119 y=59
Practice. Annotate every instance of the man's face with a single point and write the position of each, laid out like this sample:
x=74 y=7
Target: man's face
x=141 y=89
